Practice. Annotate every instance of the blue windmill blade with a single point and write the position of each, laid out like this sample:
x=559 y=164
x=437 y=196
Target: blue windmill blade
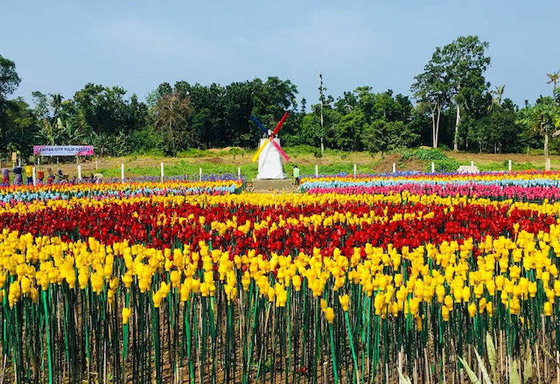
x=260 y=125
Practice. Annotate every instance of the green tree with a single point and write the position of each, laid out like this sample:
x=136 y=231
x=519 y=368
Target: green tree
x=348 y=131
x=20 y=127
x=311 y=130
x=104 y=117
x=465 y=62
x=271 y=99
x=433 y=89
x=382 y=136
x=9 y=79
x=543 y=117
x=208 y=116
x=103 y=109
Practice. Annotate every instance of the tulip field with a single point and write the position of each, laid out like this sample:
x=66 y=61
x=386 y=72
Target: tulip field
x=362 y=279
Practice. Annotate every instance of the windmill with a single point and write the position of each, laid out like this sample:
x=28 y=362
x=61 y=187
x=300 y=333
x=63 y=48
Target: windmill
x=270 y=156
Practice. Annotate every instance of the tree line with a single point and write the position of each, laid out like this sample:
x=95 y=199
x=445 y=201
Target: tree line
x=452 y=105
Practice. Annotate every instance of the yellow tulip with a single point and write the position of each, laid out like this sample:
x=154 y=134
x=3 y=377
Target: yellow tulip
x=445 y=313
x=175 y=277
x=472 y=309
x=548 y=308
x=156 y=298
x=126 y=315
x=296 y=282
x=329 y=315
x=344 y=299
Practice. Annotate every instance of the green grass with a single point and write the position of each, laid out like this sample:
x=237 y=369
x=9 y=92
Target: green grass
x=247 y=170
x=503 y=166
x=183 y=168
x=331 y=162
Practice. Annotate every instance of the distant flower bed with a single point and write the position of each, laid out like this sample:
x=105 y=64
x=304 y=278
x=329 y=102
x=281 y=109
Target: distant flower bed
x=140 y=187
x=531 y=185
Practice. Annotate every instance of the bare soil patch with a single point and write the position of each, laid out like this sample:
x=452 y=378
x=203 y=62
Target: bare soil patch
x=385 y=164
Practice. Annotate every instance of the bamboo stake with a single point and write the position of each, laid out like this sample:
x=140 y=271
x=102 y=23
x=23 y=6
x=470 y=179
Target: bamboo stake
x=427 y=365
x=538 y=363
x=443 y=365
x=507 y=366
x=387 y=372
x=544 y=344
x=502 y=352
x=400 y=360
x=557 y=367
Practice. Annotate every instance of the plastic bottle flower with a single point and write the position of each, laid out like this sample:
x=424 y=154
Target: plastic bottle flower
x=548 y=308
x=14 y=293
x=125 y=315
x=329 y=315
x=344 y=300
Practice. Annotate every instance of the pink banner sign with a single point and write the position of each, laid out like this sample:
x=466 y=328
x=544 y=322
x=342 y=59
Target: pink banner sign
x=63 y=150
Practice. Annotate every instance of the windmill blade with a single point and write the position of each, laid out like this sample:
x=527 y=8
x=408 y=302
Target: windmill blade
x=556 y=133
x=259 y=124
x=282 y=153
x=280 y=124
x=258 y=153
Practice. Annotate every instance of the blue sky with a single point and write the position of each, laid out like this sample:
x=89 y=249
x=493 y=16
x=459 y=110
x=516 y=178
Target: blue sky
x=61 y=45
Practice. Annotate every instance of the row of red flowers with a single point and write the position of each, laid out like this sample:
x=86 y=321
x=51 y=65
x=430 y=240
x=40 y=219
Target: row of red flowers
x=285 y=229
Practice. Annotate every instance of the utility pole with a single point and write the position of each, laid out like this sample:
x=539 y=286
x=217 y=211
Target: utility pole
x=322 y=101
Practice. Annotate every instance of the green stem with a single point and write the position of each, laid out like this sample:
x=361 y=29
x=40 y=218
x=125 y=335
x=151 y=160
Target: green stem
x=48 y=331
x=335 y=372
x=352 y=345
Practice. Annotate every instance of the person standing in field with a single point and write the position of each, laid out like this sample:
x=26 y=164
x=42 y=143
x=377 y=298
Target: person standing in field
x=296 y=175
x=5 y=177
x=50 y=177
x=29 y=174
x=18 y=179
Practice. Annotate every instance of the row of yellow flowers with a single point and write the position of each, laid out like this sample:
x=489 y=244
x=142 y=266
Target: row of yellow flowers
x=507 y=270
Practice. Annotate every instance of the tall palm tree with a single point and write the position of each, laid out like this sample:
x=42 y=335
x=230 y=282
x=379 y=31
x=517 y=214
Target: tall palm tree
x=554 y=77
x=497 y=95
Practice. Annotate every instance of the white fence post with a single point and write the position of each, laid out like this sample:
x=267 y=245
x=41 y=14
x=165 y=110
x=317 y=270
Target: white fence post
x=316 y=170
x=238 y=173
x=355 y=170
x=433 y=167
x=394 y=168
x=472 y=163
x=200 y=174
x=34 y=177
x=509 y=165
x=162 y=172
x=79 y=172
x=122 y=173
